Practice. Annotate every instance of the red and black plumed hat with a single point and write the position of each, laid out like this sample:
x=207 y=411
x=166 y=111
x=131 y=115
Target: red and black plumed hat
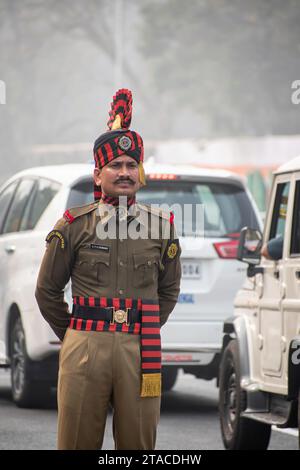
x=119 y=139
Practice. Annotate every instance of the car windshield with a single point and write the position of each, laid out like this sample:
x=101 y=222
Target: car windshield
x=224 y=208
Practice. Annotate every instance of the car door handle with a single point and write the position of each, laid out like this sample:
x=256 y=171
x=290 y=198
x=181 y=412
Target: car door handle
x=276 y=274
x=10 y=249
x=297 y=274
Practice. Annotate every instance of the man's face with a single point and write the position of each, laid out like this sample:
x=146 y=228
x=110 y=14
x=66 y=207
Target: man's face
x=120 y=177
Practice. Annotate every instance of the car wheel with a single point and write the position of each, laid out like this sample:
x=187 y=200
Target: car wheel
x=169 y=377
x=26 y=391
x=238 y=433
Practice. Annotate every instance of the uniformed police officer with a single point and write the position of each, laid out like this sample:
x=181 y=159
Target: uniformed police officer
x=124 y=287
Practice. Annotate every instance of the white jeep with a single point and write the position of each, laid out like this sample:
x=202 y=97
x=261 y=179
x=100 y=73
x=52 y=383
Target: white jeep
x=259 y=375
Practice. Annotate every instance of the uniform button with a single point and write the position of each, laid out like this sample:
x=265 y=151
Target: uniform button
x=121 y=263
x=121 y=291
x=149 y=263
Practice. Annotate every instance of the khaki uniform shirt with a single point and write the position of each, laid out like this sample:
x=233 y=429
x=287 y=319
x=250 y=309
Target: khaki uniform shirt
x=109 y=267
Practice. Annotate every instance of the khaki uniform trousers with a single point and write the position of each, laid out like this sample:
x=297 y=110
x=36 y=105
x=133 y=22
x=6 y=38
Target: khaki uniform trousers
x=98 y=369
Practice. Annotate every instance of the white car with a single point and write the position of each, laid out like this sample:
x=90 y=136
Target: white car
x=33 y=200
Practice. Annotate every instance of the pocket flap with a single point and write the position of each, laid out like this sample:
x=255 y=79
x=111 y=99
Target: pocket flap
x=142 y=259
x=93 y=257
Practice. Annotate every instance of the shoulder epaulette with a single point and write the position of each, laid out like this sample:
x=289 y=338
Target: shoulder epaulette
x=73 y=213
x=157 y=211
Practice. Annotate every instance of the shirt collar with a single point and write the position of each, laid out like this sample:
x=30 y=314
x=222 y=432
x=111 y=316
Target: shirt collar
x=107 y=211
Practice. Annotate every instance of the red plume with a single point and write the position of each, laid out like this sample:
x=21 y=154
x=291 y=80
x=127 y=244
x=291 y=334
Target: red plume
x=122 y=106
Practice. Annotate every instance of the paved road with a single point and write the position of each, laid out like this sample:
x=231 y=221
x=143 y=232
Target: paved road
x=189 y=420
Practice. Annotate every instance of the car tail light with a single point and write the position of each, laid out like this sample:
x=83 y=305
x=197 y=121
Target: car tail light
x=233 y=235
x=227 y=249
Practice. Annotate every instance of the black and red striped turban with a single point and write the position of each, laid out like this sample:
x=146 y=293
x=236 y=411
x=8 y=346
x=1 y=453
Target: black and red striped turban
x=119 y=139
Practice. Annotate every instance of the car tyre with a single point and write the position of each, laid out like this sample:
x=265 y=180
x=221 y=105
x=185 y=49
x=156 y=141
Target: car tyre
x=169 y=377
x=26 y=391
x=238 y=433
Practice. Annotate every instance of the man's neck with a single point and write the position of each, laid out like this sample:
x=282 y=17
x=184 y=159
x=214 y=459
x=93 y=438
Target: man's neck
x=118 y=200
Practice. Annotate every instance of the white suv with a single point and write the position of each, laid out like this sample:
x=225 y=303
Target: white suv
x=260 y=367
x=33 y=200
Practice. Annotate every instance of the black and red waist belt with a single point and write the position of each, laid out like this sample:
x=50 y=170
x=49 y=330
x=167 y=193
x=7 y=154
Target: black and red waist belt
x=129 y=316
x=135 y=316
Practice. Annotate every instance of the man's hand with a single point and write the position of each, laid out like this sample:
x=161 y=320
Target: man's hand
x=265 y=252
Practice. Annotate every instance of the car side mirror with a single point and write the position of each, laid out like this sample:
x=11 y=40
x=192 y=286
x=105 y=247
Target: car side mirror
x=249 y=247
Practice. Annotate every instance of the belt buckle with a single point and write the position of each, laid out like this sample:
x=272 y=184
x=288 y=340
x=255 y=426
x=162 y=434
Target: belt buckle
x=120 y=316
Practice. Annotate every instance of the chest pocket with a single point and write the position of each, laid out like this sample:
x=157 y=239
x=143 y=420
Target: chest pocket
x=94 y=264
x=145 y=269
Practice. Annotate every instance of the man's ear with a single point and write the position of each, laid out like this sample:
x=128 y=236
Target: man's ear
x=97 y=176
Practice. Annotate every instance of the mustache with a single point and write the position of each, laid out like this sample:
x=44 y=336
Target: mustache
x=124 y=180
